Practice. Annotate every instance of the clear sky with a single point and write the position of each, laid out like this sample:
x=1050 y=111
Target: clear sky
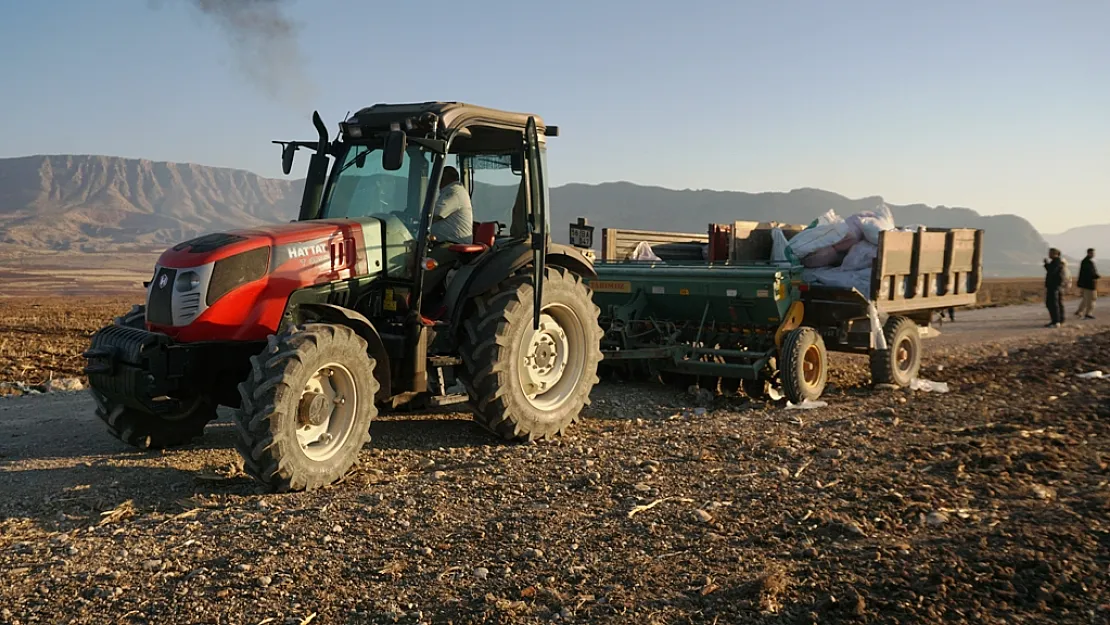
x=998 y=105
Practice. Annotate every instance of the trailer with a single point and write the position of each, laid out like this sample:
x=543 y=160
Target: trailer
x=714 y=306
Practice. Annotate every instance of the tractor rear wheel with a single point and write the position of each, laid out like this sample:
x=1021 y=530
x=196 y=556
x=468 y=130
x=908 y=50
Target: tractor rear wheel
x=805 y=365
x=146 y=430
x=306 y=407
x=525 y=383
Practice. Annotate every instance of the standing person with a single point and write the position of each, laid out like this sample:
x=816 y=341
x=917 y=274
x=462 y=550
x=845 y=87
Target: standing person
x=1056 y=272
x=1088 y=286
x=951 y=313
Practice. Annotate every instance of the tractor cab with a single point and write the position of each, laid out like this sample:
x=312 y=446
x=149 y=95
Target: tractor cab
x=386 y=169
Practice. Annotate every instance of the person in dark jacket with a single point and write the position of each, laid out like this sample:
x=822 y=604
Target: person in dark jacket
x=1055 y=278
x=1088 y=286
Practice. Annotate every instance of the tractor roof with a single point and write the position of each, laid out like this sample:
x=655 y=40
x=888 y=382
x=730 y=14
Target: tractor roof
x=452 y=115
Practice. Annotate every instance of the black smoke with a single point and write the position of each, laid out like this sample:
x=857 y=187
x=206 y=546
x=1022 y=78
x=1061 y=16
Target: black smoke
x=265 y=44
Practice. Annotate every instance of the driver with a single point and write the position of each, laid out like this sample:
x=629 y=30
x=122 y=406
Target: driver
x=453 y=216
x=452 y=222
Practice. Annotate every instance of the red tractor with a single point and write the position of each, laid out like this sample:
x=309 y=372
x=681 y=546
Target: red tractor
x=306 y=328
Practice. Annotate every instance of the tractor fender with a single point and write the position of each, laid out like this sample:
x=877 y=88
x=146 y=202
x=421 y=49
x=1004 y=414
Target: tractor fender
x=330 y=313
x=475 y=279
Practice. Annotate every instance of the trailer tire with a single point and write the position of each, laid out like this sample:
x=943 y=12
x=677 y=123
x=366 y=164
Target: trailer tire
x=504 y=358
x=146 y=430
x=900 y=363
x=805 y=365
x=306 y=407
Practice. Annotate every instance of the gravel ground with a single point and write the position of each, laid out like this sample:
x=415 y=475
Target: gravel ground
x=986 y=504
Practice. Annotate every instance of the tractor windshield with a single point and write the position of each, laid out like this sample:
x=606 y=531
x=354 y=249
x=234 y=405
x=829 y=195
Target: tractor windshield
x=362 y=188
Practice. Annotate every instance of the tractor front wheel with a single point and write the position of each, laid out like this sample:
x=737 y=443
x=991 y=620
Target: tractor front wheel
x=146 y=430
x=526 y=383
x=306 y=407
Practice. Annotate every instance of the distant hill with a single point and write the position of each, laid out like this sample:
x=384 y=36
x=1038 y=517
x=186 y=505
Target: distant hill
x=102 y=203
x=1074 y=242
x=99 y=203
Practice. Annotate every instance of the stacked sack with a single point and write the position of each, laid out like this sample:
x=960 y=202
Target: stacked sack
x=840 y=252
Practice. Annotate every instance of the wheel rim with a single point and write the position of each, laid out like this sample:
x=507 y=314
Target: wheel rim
x=811 y=365
x=904 y=355
x=326 y=411
x=553 y=358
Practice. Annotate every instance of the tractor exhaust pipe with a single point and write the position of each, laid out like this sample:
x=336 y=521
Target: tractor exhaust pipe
x=317 y=174
x=322 y=129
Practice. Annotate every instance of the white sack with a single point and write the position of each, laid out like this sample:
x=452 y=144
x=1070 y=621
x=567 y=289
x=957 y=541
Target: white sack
x=778 y=246
x=860 y=256
x=828 y=231
x=838 y=277
x=871 y=223
x=643 y=252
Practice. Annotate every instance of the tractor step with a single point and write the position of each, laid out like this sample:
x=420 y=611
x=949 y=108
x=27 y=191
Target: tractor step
x=448 y=400
x=444 y=361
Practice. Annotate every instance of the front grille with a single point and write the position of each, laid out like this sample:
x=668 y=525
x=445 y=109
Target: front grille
x=188 y=307
x=159 y=305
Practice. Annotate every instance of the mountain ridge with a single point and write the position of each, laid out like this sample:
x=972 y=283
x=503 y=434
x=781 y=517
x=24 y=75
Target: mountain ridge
x=1074 y=242
x=90 y=203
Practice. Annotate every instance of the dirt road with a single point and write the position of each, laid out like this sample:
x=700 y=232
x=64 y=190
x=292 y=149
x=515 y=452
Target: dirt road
x=987 y=504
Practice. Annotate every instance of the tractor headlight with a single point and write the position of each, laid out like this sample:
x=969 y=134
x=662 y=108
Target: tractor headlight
x=187 y=281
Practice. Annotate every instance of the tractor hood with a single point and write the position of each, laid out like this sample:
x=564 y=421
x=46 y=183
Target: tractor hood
x=243 y=278
x=285 y=237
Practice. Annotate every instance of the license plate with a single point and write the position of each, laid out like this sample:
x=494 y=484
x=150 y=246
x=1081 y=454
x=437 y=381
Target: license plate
x=581 y=236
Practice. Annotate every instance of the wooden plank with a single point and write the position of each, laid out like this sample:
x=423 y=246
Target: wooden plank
x=931 y=252
x=963 y=249
x=618 y=244
x=751 y=240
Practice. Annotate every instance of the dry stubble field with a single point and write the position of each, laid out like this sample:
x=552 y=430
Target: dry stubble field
x=984 y=505
x=43 y=337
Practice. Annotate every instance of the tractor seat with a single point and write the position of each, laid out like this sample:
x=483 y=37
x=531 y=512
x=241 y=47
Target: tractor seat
x=467 y=248
x=484 y=233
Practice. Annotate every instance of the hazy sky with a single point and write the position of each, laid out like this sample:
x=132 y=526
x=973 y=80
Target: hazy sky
x=999 y=105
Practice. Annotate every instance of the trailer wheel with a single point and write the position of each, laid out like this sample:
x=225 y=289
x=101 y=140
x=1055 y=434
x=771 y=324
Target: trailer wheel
x=805 y=365
x=900 y=363
x=306 y=407
x=527 y=384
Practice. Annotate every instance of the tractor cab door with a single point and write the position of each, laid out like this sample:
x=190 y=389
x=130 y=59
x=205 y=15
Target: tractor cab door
x=537 y=222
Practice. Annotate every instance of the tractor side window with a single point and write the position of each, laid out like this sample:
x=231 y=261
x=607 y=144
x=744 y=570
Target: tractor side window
x=493 y=186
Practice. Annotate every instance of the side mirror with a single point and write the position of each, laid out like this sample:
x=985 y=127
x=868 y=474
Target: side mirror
x=393 y=156
x=516 y=163
x=287 y=157
x=360 y=159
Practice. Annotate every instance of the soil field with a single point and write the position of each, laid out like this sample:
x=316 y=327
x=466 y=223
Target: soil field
x=44 y=336
x=1010 y=291
x=988 y=504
